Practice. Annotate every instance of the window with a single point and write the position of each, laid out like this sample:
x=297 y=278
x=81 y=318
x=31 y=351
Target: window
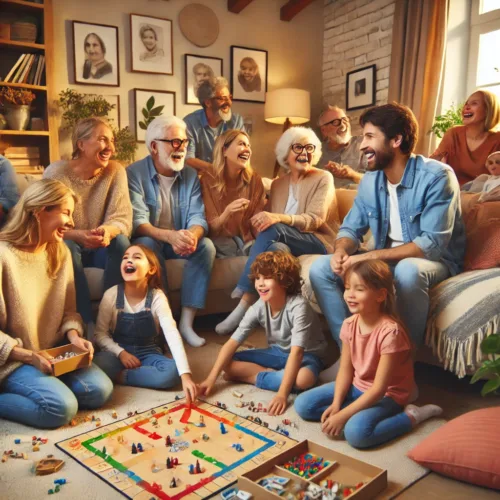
x=489 y=5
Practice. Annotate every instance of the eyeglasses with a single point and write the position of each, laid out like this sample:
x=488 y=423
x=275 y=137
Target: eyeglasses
x=176 y=143
x=298 y=148
x=228 y=98
x=337 y=121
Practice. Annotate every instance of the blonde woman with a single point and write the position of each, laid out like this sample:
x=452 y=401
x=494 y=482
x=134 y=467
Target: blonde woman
x=38 y=311
x=465 y=147
x=301 y=217
x=232 y=193
x=103 y=218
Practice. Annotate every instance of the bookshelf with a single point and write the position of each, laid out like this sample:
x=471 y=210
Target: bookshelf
x=45 y=140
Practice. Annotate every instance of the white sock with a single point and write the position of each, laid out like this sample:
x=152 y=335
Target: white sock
x=330 y=374
x=186 y=327
x=420 y=414
x=232 y=322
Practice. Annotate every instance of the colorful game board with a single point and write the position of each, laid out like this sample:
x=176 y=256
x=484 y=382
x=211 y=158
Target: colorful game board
x=107 y=451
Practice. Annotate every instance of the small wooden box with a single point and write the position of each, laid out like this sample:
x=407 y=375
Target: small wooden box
x=342 y=469
x=81 y=360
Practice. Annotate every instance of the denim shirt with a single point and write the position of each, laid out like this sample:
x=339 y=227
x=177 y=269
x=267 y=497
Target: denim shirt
x=429 y=208
x=202 y=137
x=186 y=201
x=9 y=193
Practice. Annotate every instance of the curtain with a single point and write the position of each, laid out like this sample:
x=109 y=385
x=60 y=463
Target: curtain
x=417 y=60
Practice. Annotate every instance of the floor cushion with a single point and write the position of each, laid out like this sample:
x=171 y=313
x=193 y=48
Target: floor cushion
x=467 y=448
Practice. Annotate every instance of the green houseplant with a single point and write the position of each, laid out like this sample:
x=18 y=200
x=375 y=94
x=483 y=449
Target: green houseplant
x=451 y=117
x=77 y=106
x=490 y=367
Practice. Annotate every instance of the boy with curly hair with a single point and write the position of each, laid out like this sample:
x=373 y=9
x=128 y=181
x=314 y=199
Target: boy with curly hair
x=297 y=347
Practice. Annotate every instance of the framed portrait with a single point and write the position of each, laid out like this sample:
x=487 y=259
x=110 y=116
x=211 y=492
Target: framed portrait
x=95 y=54
x=151 y=42
x=197 y=70
x=248 y=74
x=149 y=104
x=114 y=115
x=360 y=88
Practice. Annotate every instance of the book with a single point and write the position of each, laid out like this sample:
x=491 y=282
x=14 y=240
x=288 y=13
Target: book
x=20 y=70
x=25 y=162
x=41 y=67
x=26 y=69
x=30 y=78
x=14 y=68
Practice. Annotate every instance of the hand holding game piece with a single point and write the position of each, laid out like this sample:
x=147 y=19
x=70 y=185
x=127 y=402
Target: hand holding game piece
x=189 y=387
x=129 y=360
x=205 y=388
x=278 y=405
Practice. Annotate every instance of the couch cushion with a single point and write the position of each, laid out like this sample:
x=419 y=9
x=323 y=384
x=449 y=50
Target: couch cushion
x=464 y=310
x=483 y=246
x=465 y=449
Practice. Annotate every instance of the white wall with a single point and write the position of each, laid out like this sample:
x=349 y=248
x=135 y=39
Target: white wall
x=295 y=56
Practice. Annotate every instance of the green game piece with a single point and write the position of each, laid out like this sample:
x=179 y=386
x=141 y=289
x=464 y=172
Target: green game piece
x=58 y=489
x=51 y=491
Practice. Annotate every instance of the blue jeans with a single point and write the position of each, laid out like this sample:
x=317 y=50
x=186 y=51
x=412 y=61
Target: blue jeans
x=197 y=271
x=413 y=279
x=33 y=398
x=156 y=370
x=108 y=258
x=279 y=237
x=274 y=357
x=376 y=425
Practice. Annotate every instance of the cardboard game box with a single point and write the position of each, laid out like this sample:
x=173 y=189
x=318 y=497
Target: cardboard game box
x=81 y=360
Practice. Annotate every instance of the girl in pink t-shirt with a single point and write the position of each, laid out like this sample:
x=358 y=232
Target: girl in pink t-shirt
x=376 y=378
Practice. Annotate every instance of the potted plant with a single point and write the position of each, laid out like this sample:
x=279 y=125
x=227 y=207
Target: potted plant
x=490 y=367
x=451 y=117
x=16 y=103
x=77 y=106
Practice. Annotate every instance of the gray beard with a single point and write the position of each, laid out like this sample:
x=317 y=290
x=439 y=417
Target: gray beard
x=339 y=139
x=225 y=117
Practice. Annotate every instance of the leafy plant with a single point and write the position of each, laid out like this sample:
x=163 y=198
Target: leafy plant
x=126 y=145
x=452 y=117
x=21 y=97
x=491 y=367
x=150 y=113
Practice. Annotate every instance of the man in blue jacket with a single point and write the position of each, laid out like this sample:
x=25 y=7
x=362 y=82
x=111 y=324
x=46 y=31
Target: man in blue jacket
x=411 y=204
x=169 y=215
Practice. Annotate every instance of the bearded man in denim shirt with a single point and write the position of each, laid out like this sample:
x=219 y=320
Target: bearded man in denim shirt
x=411 y=204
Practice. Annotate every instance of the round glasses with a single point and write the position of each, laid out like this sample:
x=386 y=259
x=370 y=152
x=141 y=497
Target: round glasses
x=298 y=148
x=337 y=121
x=176 y=143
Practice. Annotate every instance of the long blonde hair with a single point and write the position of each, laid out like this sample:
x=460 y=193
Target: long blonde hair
x=492 y=103
x=22 y=227
x=219 y=161
x=83 y=130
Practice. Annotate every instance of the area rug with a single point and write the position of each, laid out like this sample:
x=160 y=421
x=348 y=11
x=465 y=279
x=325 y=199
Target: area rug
x=17 y=481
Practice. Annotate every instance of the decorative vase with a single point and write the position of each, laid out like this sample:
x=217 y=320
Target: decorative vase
x=17 y=116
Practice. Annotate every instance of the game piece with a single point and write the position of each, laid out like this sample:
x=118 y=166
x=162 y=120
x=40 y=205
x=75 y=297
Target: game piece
x=237 y=447
x=229 y=494
x=134 y=449
x=57 y=489
x=168 y=441
x=198 y=468
x=60 y=481
x=104 y=450
x=222 y=428
x=130 y=414
x=120 y=439
x=169 y=420
x=237 y=394
x=73 y=422
x=221 y=405
x=139 y=447
x=17 y=441
x=114 y=414
x=177 y=397
x=157 y=486
x=205 y=437
x=48 y=465
x=98 y=422
x=153 y=412
x=175 y=461
x=191 y=469
x=173 y=484
x=36 y=448
x=186 y=429
x=51 y=492
x=169 y=463
x=244 y=495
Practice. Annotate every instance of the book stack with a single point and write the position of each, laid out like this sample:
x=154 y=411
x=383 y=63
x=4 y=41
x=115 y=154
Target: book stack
x=25 y=160
x=28 y=69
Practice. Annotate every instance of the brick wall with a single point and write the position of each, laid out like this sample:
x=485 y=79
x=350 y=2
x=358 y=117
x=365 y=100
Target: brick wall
x=357 y=33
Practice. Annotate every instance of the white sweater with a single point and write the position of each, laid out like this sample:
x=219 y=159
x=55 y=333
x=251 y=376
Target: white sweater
x=106 y=323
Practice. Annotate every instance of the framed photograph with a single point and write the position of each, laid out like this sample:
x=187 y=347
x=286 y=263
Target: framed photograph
x=151 y=42
x=360 y=88
x=248 y=74
x=95 y=54
x=114 y=115
x=197 y=70
x=148 y=104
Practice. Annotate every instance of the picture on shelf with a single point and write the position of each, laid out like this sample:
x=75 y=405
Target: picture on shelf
x=360 y=88
x=248 y=74
x=149 y=104
x=197 y=70
x=151 y=45
x=95 y=50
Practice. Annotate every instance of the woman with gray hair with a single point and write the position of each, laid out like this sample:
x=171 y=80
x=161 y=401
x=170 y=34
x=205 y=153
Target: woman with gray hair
x=302 y=215
x=103 y=217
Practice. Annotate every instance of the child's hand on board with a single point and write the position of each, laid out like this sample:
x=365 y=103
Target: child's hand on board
x=129 y=360
x=277 y=406
x=189 y=387
x=333 y=425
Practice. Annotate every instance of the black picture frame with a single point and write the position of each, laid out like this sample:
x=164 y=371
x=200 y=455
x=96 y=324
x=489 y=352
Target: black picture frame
x=360 y=88
x=249 y=90
x=190 y=61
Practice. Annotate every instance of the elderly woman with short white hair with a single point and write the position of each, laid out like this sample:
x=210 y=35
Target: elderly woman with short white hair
x=302 y=214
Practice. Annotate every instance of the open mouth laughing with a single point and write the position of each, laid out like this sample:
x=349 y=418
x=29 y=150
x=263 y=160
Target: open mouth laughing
x=60 y=232
x=468 y=115
x=263 y=292
x=245 y=156
x=105 y=155
x=369 y=154
x=129 y=268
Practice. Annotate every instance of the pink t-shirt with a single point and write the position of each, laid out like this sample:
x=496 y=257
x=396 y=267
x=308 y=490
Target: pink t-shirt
x=386 y=338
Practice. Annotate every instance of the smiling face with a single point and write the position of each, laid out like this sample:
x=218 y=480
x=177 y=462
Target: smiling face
x=493 y=163
x=238 y=153
x=338 y=132
x=248 y=70
x=474 y=110
x=221 y=103
x=360 y=298
x=300 y=162
x=135 y=265
x=376 y=148
x=269 y=289
x=169 y=157
x=149 y=39
x=99 y=147
x=93 y=49
x=55 y=221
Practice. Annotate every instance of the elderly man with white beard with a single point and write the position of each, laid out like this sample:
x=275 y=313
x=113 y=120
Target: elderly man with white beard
x=341 y=154
x=169 y=215
x=205 y=125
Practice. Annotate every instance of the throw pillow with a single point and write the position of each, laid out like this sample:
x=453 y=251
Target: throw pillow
x=483 y=246
x=467 y=449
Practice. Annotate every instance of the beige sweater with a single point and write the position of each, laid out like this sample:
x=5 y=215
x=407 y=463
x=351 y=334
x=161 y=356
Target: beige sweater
x=35 y=311
x=104 y=199
x=317 y=212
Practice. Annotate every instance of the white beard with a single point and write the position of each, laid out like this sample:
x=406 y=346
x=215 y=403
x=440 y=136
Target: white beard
x=341 y=139
x=167 y=160
x=225 y=116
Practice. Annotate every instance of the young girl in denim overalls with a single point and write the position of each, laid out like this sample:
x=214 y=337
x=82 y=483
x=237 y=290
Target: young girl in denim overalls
x=128 y=324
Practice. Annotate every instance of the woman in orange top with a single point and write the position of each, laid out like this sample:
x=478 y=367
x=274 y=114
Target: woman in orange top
x=232 y=193
x=466 y=147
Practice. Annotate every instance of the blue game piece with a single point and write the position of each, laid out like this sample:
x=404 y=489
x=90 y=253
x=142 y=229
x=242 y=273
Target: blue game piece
x=139 y=447
x=222 y=428
x=17 y=441
x=60 y=481
x=177 y=432
x=191 y=469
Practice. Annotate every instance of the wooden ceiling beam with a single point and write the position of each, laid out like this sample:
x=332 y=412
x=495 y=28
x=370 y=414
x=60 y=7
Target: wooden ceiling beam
x=236 y=6
x=292 y=8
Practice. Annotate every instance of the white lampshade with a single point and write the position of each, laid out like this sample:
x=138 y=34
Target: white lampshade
x=294 y=104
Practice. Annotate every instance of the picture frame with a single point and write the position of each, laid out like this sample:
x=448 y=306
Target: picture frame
x=96 y=58
x=361 y=88
x=151 y=45
x=146 y=110
x=248 y=74
x=196 y=69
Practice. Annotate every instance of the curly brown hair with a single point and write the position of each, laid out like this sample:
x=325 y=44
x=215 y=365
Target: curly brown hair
x=280 y=266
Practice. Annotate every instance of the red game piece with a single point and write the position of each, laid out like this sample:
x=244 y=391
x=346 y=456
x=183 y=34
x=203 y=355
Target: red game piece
x=168 y=441
x=198 y=468
x=175 y=461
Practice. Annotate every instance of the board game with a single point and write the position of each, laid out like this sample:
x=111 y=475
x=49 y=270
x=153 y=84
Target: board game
x=175 y=451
